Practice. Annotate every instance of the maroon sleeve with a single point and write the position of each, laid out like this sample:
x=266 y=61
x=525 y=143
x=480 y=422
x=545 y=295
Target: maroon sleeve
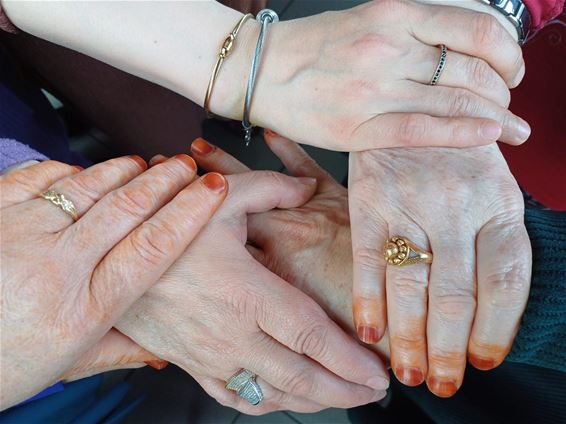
x=5 y=24
x=543 y=11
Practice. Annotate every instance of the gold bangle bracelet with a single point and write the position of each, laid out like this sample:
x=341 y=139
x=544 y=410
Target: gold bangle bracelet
x=224 y=51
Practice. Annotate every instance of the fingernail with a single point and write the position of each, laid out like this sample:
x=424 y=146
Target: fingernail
x=379 y=396
x=523 y=131
x=157 y=159
x=269 y=133
x=483 y=364
x=378 y=383
x=441 y=387
x=158 y=364
x=307 y=181
x=201 y=147
x=490 y=131
x=187 y=160
x=409 y=376
x=78 y=168
x=214 y=182
x=139 y=161
x=367 y=334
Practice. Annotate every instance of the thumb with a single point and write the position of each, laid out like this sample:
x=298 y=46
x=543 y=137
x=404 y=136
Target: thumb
x=114 y=351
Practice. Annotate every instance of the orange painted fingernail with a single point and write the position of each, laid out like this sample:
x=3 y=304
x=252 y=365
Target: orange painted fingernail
x=78 y=168
x=409 y=376
x=270 y=133
x=367 y=334
x=139 y=161
x=483 y=364
x=158 y=364
x=187 y=160
x=201 y=147
x=441 y=387
x=214 y=182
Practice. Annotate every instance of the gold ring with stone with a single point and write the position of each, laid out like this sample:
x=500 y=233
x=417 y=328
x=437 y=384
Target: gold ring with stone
x=400 y=251
x=60 y=200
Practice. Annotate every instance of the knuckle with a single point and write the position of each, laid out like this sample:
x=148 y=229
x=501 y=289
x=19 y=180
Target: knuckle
x=84 y=185
x=480 y=72
x=369 y=259
x=486 y=30
x=412 y=129
x=408 y=342
x=134 y=201
x=154 y=242
x=312 y=340
x=508 y=287
x=299 y=383
x=454 y=304
x=407 y=287
x=460 y=103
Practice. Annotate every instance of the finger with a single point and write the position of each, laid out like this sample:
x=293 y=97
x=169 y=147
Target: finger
x=274 y=400
x=422 y=130
x=299 y=376
x=452 y=303
x=475 y=34
x=458 y=102
x=504 y=275
x=463 y=71
x=212 y=158
x=129 y=205
x=407 y=292
x=298 y=162
x=156 y=160
x=138 y=261
x=308 y=331
x=114 y=351
x=87 y=187
x=28 y=183
x=369 y=234
x=260 y=191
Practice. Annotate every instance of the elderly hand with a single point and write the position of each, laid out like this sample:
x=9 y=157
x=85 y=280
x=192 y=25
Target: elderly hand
x=465 y=207
x=310 y=247
x=217 y=310
x=65 y=283
x=358 y=78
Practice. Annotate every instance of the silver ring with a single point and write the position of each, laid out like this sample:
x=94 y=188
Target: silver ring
x=441 y=64
x=245 y=385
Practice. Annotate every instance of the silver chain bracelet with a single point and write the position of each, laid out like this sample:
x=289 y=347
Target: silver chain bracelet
x=265 y=17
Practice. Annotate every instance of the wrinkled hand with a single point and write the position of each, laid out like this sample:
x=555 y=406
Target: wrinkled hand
x=310 y=247
x=217 y=310
x=65 y=283
x=359 y=78
x=465 y=207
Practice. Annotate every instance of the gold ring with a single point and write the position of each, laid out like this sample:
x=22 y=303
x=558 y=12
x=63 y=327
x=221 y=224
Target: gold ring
x=400 y=251
x=60 y=200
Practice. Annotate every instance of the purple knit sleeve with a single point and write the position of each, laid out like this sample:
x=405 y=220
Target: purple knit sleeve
x=13 y=152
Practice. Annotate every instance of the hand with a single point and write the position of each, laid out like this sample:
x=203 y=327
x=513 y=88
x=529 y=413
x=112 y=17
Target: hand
x=308 y=246
x=359 y=78
x=217 y=310
x=65 y=283
x=466 y=208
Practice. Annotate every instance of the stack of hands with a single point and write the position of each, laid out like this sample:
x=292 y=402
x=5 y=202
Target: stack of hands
x=259 y=270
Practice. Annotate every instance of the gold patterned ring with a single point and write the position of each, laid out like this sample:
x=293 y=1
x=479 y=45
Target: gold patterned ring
x=60 y=200
x=400 y=251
